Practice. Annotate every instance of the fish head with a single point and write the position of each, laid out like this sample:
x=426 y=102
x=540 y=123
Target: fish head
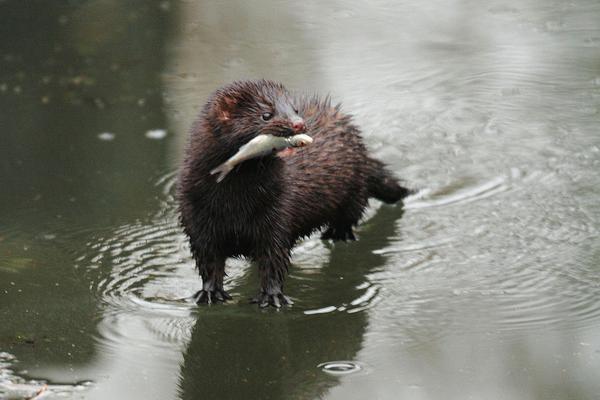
x=300 y=140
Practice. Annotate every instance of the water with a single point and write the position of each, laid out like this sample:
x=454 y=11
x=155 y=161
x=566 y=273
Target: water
x=486 y=284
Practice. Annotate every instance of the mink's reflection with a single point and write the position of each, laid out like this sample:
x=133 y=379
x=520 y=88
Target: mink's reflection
x=241 y=352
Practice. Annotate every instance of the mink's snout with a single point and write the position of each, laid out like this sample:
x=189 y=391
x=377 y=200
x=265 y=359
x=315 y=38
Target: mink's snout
x=298 y=125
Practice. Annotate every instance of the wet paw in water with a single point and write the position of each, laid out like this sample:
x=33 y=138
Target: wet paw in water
x=276 y=300
x=211 y=296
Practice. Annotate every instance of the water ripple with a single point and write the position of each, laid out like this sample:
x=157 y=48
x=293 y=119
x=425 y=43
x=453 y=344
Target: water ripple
x=525 y=273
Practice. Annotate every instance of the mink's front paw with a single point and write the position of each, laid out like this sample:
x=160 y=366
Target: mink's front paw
x=211 y=296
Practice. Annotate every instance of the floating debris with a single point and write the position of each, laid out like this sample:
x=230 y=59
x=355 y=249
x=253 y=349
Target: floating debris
x=13 y=386
x=106 y=136
x=156 y=134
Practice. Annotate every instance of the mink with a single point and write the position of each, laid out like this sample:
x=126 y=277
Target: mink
x=265 y=205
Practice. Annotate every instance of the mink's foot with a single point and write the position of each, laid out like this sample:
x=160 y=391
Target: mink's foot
x=211 y=296
x=277 y=300
x=338 y=233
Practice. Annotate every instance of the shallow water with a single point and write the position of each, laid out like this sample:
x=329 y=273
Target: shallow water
x=486 y=284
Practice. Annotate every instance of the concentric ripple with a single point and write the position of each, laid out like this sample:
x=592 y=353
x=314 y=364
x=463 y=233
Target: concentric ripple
x=340 y=367
x=485 y=259
x=499 y=255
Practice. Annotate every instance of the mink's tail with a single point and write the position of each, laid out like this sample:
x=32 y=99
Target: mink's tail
x=382 y=185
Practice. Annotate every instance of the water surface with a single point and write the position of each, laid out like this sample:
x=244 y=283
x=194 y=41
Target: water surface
x=485 y=284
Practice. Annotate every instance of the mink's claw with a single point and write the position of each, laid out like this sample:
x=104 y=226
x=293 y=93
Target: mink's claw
x=211 y=296
x=276 y=300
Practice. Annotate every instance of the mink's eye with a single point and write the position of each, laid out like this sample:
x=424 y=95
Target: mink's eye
x=267 y=116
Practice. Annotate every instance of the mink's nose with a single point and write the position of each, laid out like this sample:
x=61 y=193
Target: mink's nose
x=298 y=125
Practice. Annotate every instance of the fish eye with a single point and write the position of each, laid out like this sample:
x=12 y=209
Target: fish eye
x=267 y=116
x=295 y=110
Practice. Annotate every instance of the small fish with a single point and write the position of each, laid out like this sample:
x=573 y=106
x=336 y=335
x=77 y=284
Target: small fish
x=260 y=146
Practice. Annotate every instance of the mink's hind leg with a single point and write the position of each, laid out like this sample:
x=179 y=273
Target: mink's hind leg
x=339 y=231
x=340 y=228
x=212 y=283
x=273 y=268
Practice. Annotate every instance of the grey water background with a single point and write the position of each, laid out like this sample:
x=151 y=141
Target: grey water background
x=485 y=285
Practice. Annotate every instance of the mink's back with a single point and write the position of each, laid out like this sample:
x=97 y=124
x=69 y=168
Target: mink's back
x=329 y=177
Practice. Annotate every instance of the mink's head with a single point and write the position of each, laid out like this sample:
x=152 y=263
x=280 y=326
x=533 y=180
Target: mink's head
x=242 y=110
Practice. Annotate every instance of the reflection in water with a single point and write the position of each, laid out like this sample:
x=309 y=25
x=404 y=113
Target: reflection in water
x=69 y=75
x=487 y=287
x=267 y=354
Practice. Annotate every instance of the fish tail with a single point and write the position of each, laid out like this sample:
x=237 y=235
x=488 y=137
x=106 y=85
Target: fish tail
x=222 y=170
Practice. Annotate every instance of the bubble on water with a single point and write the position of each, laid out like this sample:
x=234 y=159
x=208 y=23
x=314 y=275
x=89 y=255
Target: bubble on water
x=106 y=136
x=156 y=134
x=340 y=367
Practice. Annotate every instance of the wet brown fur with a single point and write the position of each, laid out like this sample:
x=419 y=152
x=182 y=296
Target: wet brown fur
x=265 y=205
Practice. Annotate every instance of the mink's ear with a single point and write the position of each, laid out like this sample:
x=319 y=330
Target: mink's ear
x=225 y=107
